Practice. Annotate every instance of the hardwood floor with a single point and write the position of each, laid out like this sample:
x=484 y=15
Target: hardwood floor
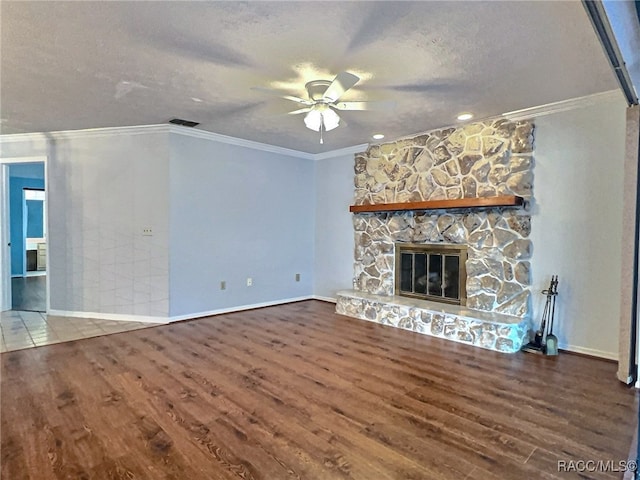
x=296 y=391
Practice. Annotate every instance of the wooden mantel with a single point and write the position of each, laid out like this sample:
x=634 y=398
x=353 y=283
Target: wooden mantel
x=479 y=202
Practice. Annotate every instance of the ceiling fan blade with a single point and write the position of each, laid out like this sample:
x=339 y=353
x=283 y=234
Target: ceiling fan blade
x=384 y=105
x=343 y=82
x=299 y=100
x=268 y=91
x=302 y=110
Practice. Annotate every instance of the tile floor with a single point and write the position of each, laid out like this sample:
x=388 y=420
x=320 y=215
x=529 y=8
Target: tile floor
x=22 y=329
x=29 y=293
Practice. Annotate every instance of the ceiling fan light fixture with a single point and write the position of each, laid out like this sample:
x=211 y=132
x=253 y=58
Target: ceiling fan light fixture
x=465 y=116
x=331 y=119
x=321 y=116
x=313 y=120
x=320 y=108
x=378 y=136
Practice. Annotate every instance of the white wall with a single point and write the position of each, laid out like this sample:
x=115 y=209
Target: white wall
x=334 y=238
x=102 y=189
x=577 y=223
x=238 y=212
x=235 y=212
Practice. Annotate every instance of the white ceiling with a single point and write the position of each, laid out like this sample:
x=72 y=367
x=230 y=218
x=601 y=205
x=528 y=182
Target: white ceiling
x=76 y=65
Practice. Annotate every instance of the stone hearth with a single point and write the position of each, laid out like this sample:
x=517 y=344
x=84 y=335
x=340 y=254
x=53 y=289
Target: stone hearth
x=493 y=331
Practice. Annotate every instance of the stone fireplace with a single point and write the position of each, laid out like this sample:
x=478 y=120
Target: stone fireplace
x=485 y=159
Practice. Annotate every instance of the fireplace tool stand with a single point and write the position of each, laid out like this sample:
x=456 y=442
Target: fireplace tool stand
x=545 y=342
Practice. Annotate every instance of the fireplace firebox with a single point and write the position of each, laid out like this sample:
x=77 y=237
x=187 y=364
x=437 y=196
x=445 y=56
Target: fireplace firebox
x=432 y=272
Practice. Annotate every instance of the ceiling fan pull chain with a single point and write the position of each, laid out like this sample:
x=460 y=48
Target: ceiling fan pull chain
x=321 y=125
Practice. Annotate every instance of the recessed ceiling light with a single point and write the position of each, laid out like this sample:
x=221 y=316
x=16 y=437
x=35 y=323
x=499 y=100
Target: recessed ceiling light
x=378 y=136
x=465 y=116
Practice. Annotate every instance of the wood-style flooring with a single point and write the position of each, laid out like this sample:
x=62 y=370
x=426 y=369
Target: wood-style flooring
x=298 y=392
x=29 y=293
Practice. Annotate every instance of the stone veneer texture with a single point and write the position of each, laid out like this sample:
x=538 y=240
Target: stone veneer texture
x=482 y=159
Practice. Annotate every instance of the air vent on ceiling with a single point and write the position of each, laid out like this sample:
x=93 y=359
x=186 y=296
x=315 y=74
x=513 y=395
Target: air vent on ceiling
x=184 y=123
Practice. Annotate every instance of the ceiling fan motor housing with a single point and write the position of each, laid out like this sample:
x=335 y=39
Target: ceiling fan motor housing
x=316 y=89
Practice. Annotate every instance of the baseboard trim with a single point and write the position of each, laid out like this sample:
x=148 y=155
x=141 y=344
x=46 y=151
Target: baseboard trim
x=119 y=317
x=589 y=352
x=123 y=317
x=240 y=308
x=324 y=299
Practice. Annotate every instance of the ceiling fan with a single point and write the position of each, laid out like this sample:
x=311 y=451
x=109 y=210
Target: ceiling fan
x=323 y=101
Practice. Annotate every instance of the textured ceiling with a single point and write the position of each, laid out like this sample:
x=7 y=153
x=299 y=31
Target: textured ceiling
x=76 y=65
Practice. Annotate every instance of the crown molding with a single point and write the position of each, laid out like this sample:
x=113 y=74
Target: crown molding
x=197 y=133
x=217 y=137
x=179 y=130
x=86 y=133
x=341 y=151
x=539 y=111
x=523 y=114
x=563 y=105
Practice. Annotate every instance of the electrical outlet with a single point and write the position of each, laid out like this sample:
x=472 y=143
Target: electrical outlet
x=249 y=282
x=297 y=277
x=223 y=285
x=147 y=231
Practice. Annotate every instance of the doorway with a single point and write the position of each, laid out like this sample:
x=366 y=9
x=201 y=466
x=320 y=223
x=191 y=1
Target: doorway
x=28 y=264
x=23 y=232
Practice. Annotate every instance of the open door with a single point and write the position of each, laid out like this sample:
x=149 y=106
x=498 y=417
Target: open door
x=6 y=243
x=5 y=240
x=630 y=293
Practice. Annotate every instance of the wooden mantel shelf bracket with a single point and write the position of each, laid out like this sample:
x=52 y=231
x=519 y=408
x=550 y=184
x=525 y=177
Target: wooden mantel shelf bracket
x=479 y=202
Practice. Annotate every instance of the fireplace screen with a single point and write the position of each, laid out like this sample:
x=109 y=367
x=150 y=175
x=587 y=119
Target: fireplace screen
x=432 y=272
